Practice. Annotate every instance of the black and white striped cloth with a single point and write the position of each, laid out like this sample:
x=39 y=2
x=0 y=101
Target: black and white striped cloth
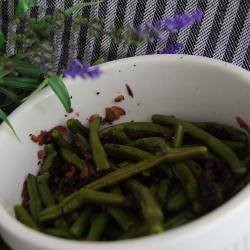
x=223 y=34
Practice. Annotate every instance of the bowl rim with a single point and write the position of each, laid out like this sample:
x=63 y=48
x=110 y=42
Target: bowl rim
x=206 y=222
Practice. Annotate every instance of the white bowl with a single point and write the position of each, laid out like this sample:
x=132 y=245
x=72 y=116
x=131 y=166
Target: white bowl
x=193 y=88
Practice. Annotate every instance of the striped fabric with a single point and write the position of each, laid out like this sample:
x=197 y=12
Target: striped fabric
x=223 y=34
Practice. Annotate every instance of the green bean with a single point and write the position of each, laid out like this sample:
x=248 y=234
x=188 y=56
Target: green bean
x=146 y=128
x=83 y=196
x=124 y=173
x=48 y=162
x=73 y=158
x=123 y=218
x=106 y=131
x=195 y=168
x=119 y=136
x=23 y=216
x=44 y=190
x=215 y=144
x=103 y=198
x=83 y=143
x=176 y=202
x=60 y=141
x=124 y=163
x=97 y=227
x=162 y=192
x=234 y=145
x=150 y=208
x=49 y=149
x=126 y=152
x=189 y=184
x=61 y=224
x=233 y=133
x=152 y=144
x=76 y=127
x=59 y=232
x=117 y=177
x=80 y=226
x=138 y=230
x=35 y=203
x=98 y=153
x=178 y=138
x=179 y=219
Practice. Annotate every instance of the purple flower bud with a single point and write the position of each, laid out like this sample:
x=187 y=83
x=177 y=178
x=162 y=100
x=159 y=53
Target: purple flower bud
x=171 y=49
x=176 y=23
x=77 y=69
x=149 y=25
x=197 y=15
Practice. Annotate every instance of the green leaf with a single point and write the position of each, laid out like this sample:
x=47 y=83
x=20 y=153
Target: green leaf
x=10 y=95
x=99 y=61
x=24 y=5
x=20 y=83
x=81 y=6
x=60 y=90
x=4 y=118
x=2 y=42
x=4 y=72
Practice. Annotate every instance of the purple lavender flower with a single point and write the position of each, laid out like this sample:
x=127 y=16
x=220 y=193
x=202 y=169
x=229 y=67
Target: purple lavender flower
x=180 y=21
x=83 y=70
x=171 y=49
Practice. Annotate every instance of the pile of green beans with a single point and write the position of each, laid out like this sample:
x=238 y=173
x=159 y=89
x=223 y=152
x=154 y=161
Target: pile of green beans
x=133 y=179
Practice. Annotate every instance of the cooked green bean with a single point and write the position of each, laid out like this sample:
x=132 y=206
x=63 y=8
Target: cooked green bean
x=179 y=219
x=232 y=132
x=76 y=127
x=74 y=200
x=138 y=230
x=178 y=138
x=23 y=216
x=44 y=190
x=146 y=128
x=128 y=171
x=97 y=227
x=80 y=226
x=150 y=208
x=152 y=144
x=106 y=131
x=189 y=184
x=59 y=232
x=176 y=202
x=98 y=153
x=73 y=158
x=123 y=218
x=83 y=143
x=48 y=162
x=126 y=152
x=119 y=136
x=162 y=192
x=60 y=141
x=83 y=196
x=234 y=145
x=215 y=144
x=195 y=168
x=35 y=203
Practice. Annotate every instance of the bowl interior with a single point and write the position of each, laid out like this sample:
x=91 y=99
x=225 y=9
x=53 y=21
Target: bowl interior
x=188 y=87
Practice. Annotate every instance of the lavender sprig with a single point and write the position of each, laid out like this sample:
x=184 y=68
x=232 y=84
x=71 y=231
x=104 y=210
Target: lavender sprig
x=171 y=49
x=76 y=68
